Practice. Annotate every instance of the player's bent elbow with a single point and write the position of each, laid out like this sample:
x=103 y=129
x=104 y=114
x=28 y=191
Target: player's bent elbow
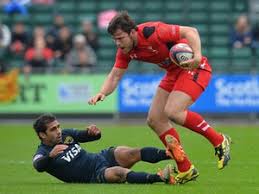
x=194 y=31
x=38 y=168
x=186 y=30
x=39 y=165
x=191 y=29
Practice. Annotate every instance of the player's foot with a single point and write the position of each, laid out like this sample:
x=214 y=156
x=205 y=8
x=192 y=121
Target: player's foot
x=174 y=148
x=189 y=175
x=166 y=175
x=223 y=152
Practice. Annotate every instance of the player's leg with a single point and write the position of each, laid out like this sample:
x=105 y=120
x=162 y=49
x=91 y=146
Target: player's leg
x=119 y=174
x=126 y=157
x=159 y=122
x=115 y=174
x=180 y=101
x=153 y=155
x=188 y=88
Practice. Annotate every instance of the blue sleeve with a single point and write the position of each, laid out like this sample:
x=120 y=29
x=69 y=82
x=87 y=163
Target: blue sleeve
x=81 y=136
x=41 y=160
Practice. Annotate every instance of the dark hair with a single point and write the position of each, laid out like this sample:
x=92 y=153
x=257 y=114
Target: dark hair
x=121 y=21
x=40 y=125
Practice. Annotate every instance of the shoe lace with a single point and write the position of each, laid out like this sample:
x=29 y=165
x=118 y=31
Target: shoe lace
x=177 y=153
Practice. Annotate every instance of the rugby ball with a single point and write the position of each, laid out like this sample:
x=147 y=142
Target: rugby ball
x=180 y=52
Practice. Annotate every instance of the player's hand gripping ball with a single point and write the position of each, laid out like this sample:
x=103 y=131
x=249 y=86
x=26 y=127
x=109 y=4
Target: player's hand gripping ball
x=180 y=52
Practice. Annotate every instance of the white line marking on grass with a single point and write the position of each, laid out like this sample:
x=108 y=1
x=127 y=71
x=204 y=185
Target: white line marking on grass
x=15 y=162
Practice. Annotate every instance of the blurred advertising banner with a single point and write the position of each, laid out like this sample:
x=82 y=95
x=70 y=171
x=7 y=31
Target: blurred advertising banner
x=225 y=93
x=57 y=94
x=136 y=92
x=230 y=93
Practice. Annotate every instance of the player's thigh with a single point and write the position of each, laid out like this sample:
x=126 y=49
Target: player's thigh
x=178 y=101
x=115 y=174
x=156 y=115
x=126 y=156
x=187 y=89
x=193 y=83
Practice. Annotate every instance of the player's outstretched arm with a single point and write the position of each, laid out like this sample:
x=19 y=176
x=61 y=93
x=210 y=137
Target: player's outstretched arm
x=108 y=86
x=91 y=133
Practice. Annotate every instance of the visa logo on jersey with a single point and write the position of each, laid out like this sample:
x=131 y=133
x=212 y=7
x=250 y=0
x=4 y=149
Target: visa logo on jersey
x=72 y=153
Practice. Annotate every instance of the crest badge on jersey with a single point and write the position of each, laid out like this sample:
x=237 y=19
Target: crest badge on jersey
x=68 y=140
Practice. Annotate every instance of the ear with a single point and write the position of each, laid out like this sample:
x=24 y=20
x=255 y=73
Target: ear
x=132 y=32
x=42 y=135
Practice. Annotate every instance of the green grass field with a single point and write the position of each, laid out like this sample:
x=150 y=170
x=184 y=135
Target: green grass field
x=18 y=144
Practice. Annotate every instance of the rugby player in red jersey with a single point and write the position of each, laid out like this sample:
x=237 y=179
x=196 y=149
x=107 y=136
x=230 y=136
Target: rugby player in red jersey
x=179 y=88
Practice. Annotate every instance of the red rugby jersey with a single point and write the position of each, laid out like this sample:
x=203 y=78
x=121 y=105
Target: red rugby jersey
x=154 y=42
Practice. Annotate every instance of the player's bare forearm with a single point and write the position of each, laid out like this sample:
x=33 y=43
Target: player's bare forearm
x=109 y=85
x=193 y=37
x=112 y=81
x=58 y=149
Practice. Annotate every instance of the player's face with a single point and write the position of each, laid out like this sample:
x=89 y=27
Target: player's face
x=123 y=40
x=53 y=133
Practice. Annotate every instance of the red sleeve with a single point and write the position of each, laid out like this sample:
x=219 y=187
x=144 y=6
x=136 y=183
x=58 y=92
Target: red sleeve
x=29 y=54
x=168 y=32
x=48 y=54
x=122 y=60
x=183 y=40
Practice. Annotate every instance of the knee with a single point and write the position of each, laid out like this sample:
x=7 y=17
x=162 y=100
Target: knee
x=151 y=122
x=120 y=175
x=116 y=174
x=134 y=155
x=172 y=114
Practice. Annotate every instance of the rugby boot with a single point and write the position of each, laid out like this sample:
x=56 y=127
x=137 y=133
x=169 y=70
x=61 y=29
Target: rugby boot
x=223 y=152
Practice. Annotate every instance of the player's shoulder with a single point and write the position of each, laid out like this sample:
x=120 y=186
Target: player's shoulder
x=148 y=24
x=70 y=135
x=42 y=149
x=68 y=131
x=148 y=29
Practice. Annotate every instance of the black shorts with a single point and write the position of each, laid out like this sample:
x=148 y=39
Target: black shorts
x=105 y=160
